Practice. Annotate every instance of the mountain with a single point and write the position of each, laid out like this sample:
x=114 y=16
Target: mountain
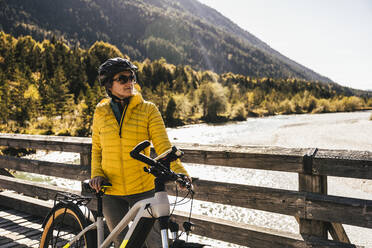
x=182 y=31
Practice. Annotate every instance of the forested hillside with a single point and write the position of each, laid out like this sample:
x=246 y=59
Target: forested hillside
x=50 y=88
x=184 y=32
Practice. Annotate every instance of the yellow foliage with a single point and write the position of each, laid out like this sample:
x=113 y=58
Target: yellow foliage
x=36 y=76
x=32 y=93
x=14 y=84
x=238 y=112
x=369 y=102
x=285 y=107
x=104 y=49
x=183 y=106
x=323 y=106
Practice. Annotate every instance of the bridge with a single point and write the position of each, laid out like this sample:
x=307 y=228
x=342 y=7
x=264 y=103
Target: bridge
x=320 y=216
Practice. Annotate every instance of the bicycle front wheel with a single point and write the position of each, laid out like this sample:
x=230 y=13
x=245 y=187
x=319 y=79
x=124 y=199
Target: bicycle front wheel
x=63 y=223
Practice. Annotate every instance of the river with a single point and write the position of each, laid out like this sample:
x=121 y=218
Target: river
x=351 y=131
x=331 y=131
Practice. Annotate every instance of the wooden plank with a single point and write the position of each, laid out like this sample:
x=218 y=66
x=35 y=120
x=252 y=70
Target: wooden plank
x=7 y=212
x=251 y=236
x=337 y=209
x=22 y=238
x=6 y=218
x=307 y=182
x=46 y=142
x=268 y=199
x=25 y=204
x=33 y=189
x=338 y=232
x=317 y=184
x=311 y=182
x=342 y=163
x=254 y=157
x=298 y=204
x=313 y=206
x=9 y=219
x=19 y=230
x=356 y=164
x=9 y=223
x=69 y=171
x=5 y=172
x=85 y=160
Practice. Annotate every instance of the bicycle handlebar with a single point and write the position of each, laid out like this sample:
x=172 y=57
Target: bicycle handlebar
x=135 y=153
x=160 y=166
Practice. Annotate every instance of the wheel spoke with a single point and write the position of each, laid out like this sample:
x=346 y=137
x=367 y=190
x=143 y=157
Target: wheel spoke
x=63 y=226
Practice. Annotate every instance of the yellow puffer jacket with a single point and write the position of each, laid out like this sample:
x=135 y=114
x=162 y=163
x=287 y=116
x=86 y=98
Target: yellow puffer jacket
x=110 y=152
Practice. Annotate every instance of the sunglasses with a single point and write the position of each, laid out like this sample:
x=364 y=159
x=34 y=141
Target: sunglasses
x=124 y=79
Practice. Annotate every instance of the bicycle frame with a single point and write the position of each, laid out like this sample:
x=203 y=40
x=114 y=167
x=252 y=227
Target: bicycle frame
x=143 y=215
x=158 y=206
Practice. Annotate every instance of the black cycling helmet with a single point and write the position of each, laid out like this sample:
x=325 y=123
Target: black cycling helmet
x=113 y=66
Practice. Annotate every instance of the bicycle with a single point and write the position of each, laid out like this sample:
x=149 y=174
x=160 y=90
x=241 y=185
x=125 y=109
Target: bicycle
x=71 y=224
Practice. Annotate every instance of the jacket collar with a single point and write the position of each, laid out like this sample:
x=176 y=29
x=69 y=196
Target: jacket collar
x=135 y=100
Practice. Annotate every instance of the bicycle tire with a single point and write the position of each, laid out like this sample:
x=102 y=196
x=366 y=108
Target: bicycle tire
x=62 y=224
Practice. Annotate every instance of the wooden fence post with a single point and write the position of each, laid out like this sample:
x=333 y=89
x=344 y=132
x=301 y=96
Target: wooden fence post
x=308 y=182
x=85 y=159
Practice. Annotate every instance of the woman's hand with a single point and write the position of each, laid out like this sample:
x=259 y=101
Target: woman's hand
x=96 y=182
x=187 y=179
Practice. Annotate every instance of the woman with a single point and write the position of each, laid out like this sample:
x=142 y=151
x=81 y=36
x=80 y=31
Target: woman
x=120 y=122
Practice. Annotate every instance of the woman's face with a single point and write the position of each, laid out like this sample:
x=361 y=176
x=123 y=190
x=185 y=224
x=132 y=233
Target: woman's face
x=123 y=84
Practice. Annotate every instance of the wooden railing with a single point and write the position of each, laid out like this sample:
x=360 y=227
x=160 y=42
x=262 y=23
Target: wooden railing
x=316 y=212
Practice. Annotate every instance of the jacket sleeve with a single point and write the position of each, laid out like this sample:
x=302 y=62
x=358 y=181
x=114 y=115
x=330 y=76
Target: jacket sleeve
x=96 y=165
x=159 y=138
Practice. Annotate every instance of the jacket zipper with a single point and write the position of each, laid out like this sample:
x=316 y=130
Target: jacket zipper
x=121 y=148
x=122 y=119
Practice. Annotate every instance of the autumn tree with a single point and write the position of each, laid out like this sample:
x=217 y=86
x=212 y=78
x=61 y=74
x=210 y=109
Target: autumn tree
x=213 y=99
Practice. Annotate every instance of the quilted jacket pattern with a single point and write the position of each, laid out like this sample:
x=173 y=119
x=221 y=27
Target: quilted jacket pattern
x=110 y=152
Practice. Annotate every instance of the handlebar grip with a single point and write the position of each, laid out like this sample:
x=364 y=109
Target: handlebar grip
x=135 y=153
x=140 y=147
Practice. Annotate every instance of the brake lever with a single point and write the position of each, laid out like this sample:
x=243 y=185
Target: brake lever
x=185 y=183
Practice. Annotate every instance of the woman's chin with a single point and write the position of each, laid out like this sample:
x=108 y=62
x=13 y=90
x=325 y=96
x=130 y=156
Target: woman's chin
x=126 y=95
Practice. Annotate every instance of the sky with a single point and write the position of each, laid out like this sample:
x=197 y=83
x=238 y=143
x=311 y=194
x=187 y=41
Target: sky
x=331 y=37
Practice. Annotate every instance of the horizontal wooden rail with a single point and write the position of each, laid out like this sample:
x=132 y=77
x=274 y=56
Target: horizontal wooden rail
x=307 y=205
x=264 y=158
x=43 y=142
x=341 y=163
x=69 y=171
x=34 y=189
x=251 y=236
x=351 y=211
